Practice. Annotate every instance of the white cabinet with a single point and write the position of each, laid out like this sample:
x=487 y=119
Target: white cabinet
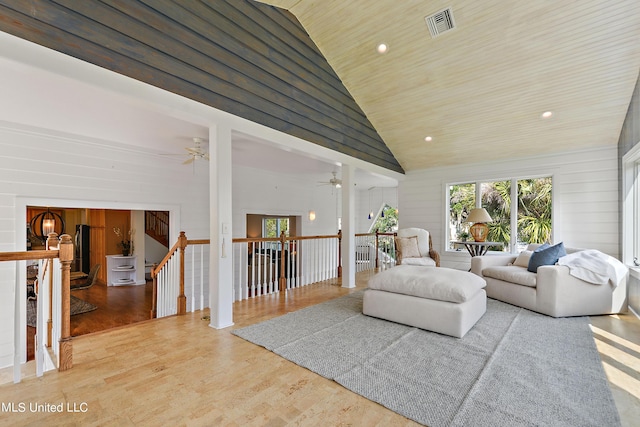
x=121 y=270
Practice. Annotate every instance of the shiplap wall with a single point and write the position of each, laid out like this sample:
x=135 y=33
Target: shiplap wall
x=243 y=57
x=36 y=163
x=372 y=200
x=257 y=191
x=585 y=198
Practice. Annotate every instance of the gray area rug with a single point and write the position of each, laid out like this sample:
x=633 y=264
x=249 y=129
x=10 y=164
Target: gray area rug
x=513 y=368
x=78 y=306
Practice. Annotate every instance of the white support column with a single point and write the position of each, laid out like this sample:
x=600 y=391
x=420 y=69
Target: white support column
x=220 y=214
x=348 y=227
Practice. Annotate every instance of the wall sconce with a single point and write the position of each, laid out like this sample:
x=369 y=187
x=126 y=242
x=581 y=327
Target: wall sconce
x=312 y=215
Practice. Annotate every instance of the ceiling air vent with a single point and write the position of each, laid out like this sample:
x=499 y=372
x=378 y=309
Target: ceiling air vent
x=440 y=22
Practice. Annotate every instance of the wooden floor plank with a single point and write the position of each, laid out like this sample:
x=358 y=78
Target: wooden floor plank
x=180 y=371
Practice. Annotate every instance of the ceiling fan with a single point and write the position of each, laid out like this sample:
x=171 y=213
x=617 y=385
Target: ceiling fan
x=337 y=183
x=196 y=152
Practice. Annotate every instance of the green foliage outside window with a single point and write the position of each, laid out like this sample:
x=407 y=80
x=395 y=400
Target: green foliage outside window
x=387 y=223
x=533 y=209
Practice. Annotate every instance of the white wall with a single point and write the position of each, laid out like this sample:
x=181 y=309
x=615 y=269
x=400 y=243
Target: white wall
x=585 y=198
x=257 y=191
x=67 y=170
x=372 y=200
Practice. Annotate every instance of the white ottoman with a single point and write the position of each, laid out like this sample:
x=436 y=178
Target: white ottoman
x=437 y=299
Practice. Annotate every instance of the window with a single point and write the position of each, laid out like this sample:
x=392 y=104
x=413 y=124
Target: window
x=273 y=227
x=523 y=205
x=462 y=198
x=386 y=221
x=631 y=207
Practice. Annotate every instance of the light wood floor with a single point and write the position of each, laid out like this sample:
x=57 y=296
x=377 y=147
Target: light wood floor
x=117 y=306
x=179 y=371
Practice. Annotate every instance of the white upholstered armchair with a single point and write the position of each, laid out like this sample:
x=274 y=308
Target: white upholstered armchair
x=414 y=247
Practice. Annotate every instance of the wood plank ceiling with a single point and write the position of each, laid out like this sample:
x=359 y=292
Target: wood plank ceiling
x=479 y=90
x=243 y=57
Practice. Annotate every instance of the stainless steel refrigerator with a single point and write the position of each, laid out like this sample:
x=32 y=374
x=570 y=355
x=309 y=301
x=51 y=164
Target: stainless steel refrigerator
x=82 y=246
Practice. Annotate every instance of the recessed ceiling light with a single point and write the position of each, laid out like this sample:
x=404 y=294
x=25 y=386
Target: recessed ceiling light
x=547 y=114
x=382 y=48
x=428 y=139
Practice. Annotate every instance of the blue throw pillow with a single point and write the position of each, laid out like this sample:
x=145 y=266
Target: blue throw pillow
x=545 y=255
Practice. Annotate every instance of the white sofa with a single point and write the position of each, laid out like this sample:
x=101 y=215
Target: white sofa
x=551 y=291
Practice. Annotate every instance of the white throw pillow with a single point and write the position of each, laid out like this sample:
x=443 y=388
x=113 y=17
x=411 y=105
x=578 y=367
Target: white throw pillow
x=408 y=247
x=523 y=259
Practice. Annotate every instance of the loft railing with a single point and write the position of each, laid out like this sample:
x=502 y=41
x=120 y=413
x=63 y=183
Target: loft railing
x=157 y=226
x=261 y=266
x=375 y=250
x=53 y=296
x=264 y=266
x=181 y=279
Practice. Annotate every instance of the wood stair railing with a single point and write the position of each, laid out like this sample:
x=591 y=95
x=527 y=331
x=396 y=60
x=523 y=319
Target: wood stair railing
x=61 y=248
x=157 y=226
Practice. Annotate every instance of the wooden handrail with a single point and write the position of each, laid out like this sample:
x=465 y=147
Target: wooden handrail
x=278 y=239
x=167 y=257
x=181 y=246
x=29 y=255
x=199 y=242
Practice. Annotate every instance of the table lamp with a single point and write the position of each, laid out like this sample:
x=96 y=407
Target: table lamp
x=479 y=230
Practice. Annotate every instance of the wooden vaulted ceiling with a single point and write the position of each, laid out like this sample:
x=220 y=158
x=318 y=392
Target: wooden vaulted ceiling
x=240 y=56
x=479 y=89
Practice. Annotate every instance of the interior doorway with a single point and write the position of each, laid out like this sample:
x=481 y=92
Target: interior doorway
x=100 y=298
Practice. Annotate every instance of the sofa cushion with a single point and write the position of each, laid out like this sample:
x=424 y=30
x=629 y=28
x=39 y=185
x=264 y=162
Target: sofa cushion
x=408 y=246
x=523 y=259
x=545 y=256
x=512 y=274
x=437 y=283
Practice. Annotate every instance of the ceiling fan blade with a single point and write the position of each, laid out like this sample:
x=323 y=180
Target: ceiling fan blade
x=205 y=156
x=190 y=160
x=193 y=150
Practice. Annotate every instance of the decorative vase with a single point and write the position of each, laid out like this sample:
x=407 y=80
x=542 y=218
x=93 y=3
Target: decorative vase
x=125 y=252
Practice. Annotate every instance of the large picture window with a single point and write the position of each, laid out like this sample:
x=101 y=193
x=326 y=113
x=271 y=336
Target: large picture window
x=520 y=209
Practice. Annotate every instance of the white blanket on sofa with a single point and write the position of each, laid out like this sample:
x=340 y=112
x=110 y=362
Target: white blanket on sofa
x=595 y=267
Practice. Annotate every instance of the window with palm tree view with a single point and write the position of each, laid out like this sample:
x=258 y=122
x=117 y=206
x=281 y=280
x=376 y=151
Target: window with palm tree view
x=523 y=205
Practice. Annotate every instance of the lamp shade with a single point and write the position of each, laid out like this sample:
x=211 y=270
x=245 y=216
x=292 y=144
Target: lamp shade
x=479 y=215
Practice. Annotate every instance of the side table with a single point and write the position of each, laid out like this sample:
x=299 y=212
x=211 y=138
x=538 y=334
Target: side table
x=477 y=248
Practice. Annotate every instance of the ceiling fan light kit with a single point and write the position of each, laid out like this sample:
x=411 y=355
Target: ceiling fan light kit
x=335 y=181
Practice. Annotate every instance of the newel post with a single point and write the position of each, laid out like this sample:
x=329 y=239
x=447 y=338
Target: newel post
x=339 y=253
x=66 y=345
x=377 y=246
x=282 y=281
x=182 y=298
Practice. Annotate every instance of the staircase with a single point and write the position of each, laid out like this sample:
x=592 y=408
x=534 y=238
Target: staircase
x=157 y=226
